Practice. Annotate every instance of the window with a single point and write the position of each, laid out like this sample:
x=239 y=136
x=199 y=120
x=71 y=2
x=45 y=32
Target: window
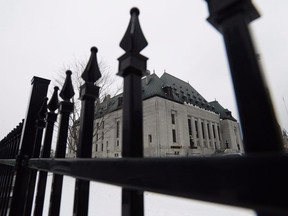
x=190 y=134
x=218 y=128
x=174 y=135
x=203 y=132
x=117 y=143
x=213 y=128
x=196 y=128
x=96 y=147
x=117 y=129
x=102 y=147
x=150 y=138
x=189 y=127
x=227 y=144
x=173 y=118
x=208 y=131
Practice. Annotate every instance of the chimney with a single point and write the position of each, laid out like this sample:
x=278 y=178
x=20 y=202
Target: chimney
x=148 y=77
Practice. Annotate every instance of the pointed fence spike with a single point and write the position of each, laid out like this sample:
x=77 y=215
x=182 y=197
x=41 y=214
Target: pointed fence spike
x=134 y=40
x=92 y=73
x=54 y=101
x=67 y=91
x=43 y=109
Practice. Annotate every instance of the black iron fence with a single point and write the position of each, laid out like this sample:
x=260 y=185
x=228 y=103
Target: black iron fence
x=256 y=181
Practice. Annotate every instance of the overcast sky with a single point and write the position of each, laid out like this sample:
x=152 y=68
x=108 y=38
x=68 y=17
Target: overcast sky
x=37 y=38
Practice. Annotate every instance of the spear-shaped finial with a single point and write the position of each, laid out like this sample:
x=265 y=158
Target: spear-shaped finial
x=54 y=101
x=43 y=109
x=134 y=40
x=67 y=91
x=92 y=73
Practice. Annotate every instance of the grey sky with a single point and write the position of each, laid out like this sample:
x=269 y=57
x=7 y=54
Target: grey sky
x=38 y=37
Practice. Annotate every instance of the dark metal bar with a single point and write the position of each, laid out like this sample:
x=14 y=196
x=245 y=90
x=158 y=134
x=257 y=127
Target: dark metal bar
x=88 y=94
x=50 y=119
x=65 y=109
x=16 y=134
x=40 y=124
x=5 y=172
x=5 y=143
x=39 y=91
x=132 y=67
x=248 y=181
x=261 y=131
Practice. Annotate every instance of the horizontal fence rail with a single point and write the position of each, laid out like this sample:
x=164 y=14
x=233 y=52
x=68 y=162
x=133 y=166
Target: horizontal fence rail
x=256 y=180
x=234 y=178
x=239 y=181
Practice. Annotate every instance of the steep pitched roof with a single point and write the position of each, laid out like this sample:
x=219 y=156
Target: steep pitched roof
x=152 y=86
x=170 y=88
x=184 y=92
x=224 y=113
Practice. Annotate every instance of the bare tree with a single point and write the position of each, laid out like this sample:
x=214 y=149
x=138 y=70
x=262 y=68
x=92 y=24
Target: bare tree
x=107 y=88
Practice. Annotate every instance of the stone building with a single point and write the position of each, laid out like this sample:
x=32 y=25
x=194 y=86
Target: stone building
x=178 y=121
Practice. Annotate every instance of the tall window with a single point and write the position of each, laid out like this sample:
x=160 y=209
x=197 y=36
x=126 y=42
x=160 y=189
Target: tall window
x=173 y=118
x=174 y=135
x=196 y=129
x=150 y=138
x=213 y=128
x=117 y=129
x=203 y=132
x=190 y=134
x=208 y=131
x=189 y=127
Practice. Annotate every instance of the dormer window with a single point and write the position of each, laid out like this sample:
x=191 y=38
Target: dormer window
x=168 y=91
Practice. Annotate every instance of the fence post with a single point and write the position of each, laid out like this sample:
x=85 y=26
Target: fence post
x=40 y=124
x=50 y=121
x=39 y=91
x=132 y=67
x=88 y=94
x=65 y=109
x=261 y=131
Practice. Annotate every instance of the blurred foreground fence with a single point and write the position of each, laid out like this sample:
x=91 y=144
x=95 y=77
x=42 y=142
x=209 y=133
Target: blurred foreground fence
x=256 y=181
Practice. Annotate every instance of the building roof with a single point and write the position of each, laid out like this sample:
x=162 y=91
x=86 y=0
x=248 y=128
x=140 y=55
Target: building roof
x=170 y=88
x=224 y=113
x=183 y=92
